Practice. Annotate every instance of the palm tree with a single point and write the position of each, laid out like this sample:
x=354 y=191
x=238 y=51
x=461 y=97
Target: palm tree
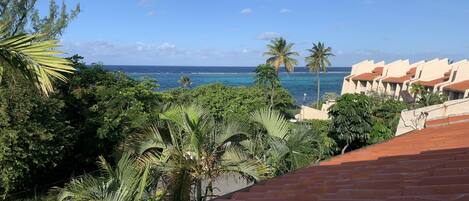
x=287 y=147
x=266 y=76
x=281 y=53
x=188 y=147
x=185 y=81
x=128 y=181
x=317 y=61
x=33 y=57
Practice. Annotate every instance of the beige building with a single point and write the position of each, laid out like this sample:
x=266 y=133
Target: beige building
x=391 y=79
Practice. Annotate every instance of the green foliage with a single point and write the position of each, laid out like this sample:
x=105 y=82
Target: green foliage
x=351 y=120
x=318 y=60
x=425 y=97
x=380 y=133
x=284 y=146
x=188 y=147
x=267 y=78
x=36 y=61
x=280 y=53
x=128 y=181
x=35 y=136
x=387 y=112
x=225 y=102
x=106 y=107
x=185 y=81
x=23 y=17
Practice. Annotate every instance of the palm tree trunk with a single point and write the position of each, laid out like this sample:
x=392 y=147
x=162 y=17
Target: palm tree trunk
x=318 y=98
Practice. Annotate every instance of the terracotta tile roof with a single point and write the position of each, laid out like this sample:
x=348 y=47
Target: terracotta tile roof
x=427 y=165
x=409 y=75
x=432 y=83
x=399 y=80
x=458 y=86
x=378 y=71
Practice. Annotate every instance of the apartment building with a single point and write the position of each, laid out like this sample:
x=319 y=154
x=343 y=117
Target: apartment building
x=391 y=79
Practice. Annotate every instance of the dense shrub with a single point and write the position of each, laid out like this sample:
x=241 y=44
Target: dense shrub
x=35 y=136
x=352 y=120
x=224 y=102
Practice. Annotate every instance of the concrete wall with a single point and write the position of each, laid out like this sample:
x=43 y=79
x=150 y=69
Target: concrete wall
x=394 y=69
x=309 y=113
x=433 y=69
x=415 y=119
x=349 y=86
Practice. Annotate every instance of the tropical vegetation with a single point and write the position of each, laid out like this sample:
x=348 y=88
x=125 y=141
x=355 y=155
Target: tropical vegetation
x=280 y=53
x=317 y=61
x=59 y=115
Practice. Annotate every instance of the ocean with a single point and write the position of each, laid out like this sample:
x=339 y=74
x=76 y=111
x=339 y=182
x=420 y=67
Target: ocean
x=301 y=84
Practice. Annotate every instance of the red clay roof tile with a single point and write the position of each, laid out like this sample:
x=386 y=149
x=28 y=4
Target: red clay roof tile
x=378 y=71
x=432 y=83
x=430 y=164
x=459 y=86
x=401 y=79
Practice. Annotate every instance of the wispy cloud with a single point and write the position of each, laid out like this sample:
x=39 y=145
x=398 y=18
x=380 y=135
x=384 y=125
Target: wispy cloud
x=246 y=11
x=268 y=36
x=284 y=11
x=151 y=13
x=166 y=53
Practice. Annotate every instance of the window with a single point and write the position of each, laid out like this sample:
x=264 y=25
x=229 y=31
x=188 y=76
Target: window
x=454 y=76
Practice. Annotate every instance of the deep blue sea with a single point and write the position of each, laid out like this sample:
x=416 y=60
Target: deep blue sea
x=298 y=83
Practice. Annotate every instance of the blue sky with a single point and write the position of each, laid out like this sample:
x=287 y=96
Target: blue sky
x=235 y=32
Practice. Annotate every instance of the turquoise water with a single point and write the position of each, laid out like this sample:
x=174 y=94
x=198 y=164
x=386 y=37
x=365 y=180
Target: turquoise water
x=297 y=83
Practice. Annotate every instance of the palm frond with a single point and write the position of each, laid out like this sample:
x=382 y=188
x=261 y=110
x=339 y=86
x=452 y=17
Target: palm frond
x=275 y=124
x=37 y=61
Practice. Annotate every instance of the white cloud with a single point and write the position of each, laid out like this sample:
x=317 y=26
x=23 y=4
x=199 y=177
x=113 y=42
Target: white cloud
x=284 y=11
x=166 y=46
x=246 y=11
x=151 y=13
x=165 y=53
x=268 y=36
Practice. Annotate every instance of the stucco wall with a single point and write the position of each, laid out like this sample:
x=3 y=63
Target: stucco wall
x=415 y=119
x=433 y=69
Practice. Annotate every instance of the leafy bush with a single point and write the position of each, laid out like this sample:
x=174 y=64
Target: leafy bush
x=224 y=102
x=351 y=120
x=35 y=136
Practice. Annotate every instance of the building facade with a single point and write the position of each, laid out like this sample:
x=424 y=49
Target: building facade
x=437 y=75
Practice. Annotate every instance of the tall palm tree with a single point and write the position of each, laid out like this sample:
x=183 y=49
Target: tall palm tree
x=317 y=61
x=185 y=81
x=267 y=77
x=128 y=181
x=33 y=57
x=189 y=148
x=280 y=53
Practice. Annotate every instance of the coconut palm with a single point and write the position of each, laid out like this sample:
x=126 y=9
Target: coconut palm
x=128 y=181
x=185 y=81
x=190 y=148
x=33 y=58
x=280 y=53
x=267 y=77
x=317 y=61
